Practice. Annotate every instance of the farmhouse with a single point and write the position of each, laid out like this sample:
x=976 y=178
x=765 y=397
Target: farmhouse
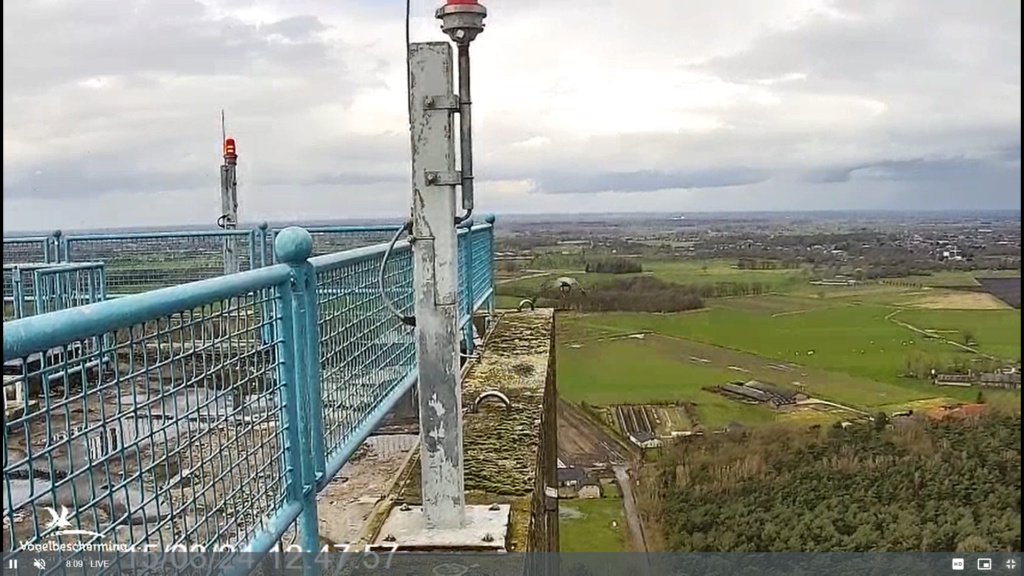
x=589 y=489
x=957 y=412
x=644 y=439
x=571 y=477
x=778 y=397
x=755 y=391
x=954 y=380
x=574 y=482
x=1000 y=379
x=1009 y=381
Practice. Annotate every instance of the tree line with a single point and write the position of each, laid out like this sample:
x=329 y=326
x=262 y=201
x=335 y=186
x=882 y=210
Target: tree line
x=645 y=294
x=912 y=485
x=613 y=266
x=632 y=294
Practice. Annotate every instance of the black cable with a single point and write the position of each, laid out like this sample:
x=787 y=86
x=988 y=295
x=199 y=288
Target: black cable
x=407 y=320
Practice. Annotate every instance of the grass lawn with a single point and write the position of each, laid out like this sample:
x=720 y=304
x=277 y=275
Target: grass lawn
x=690 y=272
x=628 y=371
x=996 y=332
x=855 y=339
x=505 y=302
x=712 y=271
x=587 y=525
x=945 y=279
x=841 y=351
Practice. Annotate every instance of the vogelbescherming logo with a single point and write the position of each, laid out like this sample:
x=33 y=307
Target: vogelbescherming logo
x=63 y=524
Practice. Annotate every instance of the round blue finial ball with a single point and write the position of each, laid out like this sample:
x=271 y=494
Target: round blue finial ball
x=489 y=218
x=56 y=233
x=293 y=245
x=264 y=225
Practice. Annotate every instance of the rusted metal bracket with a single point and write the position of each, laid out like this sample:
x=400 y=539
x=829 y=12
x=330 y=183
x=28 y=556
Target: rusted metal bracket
x=438 y=178
x=448 y=102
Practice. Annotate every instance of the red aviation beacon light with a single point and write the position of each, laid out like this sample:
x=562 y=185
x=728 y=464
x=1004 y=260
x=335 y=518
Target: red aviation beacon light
x=229 y=148
x=462 y=20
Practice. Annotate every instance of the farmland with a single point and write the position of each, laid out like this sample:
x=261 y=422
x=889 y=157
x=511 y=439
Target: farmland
x=1006 y=289
x=597 y=525
x=846 y=350
x=690 y=272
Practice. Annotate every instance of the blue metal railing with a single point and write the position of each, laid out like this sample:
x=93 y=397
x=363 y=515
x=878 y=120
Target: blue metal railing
x=63 y=286
x=330 y=239
x=30 y=249
x=141 y=261
x=209 y=414
x=31 y=289
x=137 y=262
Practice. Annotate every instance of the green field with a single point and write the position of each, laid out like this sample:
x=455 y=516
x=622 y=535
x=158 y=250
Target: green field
x=632 y=372
x=690 y=272
x=945 y=279
x=995 y=332
x=712 y=271
x=856 y=339
x=587 y=525
x=846 y=349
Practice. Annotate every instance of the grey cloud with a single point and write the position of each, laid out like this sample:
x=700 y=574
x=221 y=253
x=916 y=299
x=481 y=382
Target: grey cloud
x=930 y=62
x=155 y=125
x=355 y=178
x=94 y=176
x=947 y=71
x=47 y=44
x=356 y=161
x=876 y=40
x=646 y=180
x=295 y=28
x=1003 y=161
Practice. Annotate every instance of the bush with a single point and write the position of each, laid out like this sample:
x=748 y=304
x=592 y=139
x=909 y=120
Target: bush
x=614 y=266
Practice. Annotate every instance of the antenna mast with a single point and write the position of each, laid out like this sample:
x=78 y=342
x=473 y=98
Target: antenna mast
x=228 y=197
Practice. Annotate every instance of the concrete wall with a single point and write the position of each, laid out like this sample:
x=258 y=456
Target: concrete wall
x=544 y=507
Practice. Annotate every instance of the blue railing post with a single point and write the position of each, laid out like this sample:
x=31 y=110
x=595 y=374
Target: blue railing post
x=262 y=229
x=18 y=292
x=470 y=298
x=490 y=268
x=266 y=328
x=293 y=246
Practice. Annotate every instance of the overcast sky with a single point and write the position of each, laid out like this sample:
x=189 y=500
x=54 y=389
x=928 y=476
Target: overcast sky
x=112 y=107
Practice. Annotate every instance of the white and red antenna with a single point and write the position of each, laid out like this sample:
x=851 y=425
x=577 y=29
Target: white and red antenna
x=228 y=219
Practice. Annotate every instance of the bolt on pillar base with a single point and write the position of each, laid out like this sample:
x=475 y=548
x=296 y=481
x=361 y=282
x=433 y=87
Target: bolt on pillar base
x=485 y=530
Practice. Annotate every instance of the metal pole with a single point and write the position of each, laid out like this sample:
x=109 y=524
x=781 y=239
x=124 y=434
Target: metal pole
x=465 y=128
x=435 y=260
x=229 y=205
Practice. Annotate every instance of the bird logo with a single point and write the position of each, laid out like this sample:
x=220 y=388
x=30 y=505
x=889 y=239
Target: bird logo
x=62 y=523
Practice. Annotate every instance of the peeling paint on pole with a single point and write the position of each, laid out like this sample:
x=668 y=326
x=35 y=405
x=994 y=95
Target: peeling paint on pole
x=435 y=270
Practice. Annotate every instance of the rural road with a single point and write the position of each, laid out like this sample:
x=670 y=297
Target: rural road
x=636 y=530
x=811 y=401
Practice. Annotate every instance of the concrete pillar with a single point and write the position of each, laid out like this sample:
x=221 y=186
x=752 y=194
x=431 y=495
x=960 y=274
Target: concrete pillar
x=435 y=272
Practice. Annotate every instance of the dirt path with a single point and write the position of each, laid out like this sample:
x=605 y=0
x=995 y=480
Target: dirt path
x=812 y=401
x=636 y=530
x=891 y=317
x=581 y=443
